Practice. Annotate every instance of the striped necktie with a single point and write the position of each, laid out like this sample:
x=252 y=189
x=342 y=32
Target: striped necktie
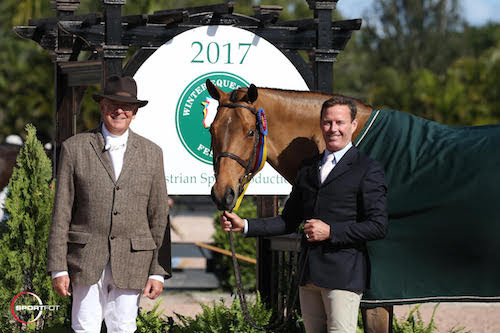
x=327 y=166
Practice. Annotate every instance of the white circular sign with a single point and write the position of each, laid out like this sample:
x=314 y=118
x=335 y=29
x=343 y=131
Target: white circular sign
x=180 y=110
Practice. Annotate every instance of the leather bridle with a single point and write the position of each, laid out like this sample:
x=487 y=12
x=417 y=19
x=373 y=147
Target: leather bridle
x=249 y=166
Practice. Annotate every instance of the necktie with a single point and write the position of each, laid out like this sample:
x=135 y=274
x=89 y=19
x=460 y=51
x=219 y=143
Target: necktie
x=114 y=143
x=327 y=166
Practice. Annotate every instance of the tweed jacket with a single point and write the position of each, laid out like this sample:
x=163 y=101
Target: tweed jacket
x=99 y=219
x=352 y=200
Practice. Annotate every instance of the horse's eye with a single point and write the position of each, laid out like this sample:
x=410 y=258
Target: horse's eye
x=251 y=133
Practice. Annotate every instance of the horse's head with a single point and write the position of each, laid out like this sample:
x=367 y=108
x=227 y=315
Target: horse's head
x=234 y=142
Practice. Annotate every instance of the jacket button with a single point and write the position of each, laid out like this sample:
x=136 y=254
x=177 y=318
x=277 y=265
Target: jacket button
x=112 y=237
x=115 y=213
x=118 y=188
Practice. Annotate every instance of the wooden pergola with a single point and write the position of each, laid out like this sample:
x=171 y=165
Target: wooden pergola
x=107 y=38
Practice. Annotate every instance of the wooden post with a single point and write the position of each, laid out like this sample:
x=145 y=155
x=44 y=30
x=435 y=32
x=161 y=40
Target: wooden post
x=267 y=206
x=324 y=54
x=113 y=51
x=65 y=108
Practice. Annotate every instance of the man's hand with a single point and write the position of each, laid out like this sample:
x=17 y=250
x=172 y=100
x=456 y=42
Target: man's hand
x=61 y=285
x=316 y=230
x=153 y=288
x=230 y=221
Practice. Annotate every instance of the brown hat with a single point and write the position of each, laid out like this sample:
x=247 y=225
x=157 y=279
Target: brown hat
x=120 y=89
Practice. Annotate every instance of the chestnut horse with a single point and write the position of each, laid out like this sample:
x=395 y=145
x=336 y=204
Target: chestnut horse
x=293 y=123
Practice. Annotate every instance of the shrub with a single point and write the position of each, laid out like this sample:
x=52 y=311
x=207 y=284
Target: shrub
x=223 y=319
x=151 y=321
x=23 y=245
x=414 y=322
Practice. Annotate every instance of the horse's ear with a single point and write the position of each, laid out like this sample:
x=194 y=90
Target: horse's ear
x=252 y=93
x=212 y=89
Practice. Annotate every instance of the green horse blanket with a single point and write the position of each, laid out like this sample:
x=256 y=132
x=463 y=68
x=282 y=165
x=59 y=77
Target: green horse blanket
x=444 y=211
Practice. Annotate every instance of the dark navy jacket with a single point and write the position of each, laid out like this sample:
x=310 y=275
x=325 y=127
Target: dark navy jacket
x=352 y=200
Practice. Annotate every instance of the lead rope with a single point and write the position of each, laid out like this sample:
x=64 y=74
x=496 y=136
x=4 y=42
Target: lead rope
x=290 y=306
x=261 y=157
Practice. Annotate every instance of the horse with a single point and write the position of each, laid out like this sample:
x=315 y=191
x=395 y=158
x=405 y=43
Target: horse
x=442 y=188
x=8 y=156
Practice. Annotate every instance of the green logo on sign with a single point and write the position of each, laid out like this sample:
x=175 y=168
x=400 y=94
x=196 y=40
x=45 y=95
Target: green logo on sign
x=196 y=110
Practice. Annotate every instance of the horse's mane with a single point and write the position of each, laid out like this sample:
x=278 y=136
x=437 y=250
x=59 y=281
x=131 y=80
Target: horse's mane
x=312 y=94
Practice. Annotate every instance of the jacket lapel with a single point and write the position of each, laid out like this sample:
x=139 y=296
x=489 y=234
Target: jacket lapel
x=342 y=166
x=97 y=143
x=129 y=160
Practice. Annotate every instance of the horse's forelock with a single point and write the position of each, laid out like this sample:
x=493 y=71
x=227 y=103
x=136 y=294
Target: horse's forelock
x=234 y=97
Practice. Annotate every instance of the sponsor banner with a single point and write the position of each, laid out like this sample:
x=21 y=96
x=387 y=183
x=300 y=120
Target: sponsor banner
x=180 y=110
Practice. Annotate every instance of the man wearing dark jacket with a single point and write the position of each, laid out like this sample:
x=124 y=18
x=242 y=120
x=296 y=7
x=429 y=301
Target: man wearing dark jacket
x=341 y=197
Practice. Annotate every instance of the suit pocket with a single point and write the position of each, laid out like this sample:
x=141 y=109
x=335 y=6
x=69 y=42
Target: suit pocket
x=78 y=237
x=77 y=241
x=140 y=257
x=143 y=244
x=141 y=184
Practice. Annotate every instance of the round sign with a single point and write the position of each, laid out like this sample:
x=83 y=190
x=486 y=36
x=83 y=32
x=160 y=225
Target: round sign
x=180 y=110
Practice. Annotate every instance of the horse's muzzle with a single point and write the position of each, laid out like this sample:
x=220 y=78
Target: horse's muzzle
x=227 y=202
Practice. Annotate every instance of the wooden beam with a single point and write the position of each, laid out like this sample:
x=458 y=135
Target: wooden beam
x=82 y=73
x=224 y=8
x=156 y=35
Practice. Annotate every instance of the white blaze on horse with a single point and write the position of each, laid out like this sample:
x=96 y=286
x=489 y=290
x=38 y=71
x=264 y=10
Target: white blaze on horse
x=209 y=111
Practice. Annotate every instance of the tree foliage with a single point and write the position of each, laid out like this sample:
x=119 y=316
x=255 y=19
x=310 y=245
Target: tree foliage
x=420 y=57
x=465 y=94
x=406 y=35
x=23 y=245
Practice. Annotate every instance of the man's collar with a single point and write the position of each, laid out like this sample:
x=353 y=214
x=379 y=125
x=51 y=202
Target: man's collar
x=338 y=154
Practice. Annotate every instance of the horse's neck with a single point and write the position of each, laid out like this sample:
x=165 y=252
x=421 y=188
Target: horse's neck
x=364 y=113
x=294 y=127
x=294 y=131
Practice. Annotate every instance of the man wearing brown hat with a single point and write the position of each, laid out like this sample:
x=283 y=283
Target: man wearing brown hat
x=109 y=218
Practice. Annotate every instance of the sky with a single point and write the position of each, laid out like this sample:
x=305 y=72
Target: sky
x=477 y=12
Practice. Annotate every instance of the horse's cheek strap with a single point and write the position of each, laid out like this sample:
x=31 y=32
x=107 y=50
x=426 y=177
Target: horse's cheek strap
x=261 y=155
